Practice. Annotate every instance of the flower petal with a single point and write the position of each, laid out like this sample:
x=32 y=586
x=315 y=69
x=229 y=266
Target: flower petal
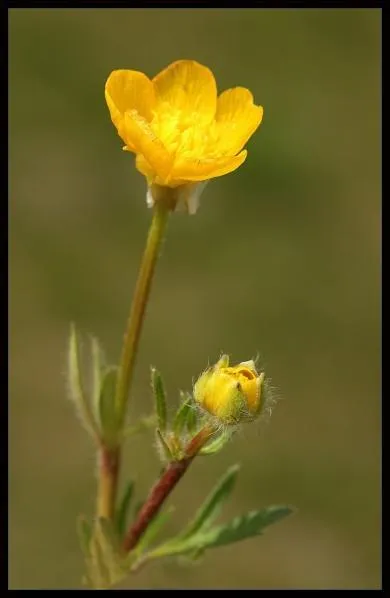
x=128 y=90
x=201 y=170
x=188 y=87
x=237 y=118
x=139 y=134
x=143 y=166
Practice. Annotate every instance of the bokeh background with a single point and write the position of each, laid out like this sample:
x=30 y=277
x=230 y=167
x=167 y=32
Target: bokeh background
x=282 y=260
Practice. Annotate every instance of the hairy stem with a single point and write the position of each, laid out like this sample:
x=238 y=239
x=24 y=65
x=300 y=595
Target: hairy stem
x=162 y=489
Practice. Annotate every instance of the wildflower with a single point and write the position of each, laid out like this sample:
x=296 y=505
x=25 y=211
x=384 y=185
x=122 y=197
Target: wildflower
x=181 y=133
x=232 y=394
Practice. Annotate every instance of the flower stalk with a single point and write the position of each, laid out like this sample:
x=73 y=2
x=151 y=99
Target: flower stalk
x=110 y=456
x=138 y=307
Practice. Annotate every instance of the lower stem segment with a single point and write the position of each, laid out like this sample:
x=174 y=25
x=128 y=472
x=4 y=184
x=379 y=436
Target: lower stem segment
x=162 y=489
x=109 y=462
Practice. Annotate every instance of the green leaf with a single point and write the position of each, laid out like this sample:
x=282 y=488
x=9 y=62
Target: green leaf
x=107 y=413
x=84 y=531
x=76 y=386
x=212 y=506
x=181 y=417
x=245 y=526
x=216 y=445
x=153 y=530
x=97 y=570
x=108 y=537
x=97 y=369
x=240 y=528
x=109 y=560
x=160 y=400
x=123 y=509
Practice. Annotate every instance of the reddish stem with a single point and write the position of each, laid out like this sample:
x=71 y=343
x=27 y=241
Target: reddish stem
x=163 y=487
x=108 y=481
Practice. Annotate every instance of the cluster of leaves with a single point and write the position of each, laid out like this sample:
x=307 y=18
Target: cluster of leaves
x=101 y=541
x=95 y=405
x=107 y=565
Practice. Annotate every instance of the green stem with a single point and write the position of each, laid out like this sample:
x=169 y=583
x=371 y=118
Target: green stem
x=137 y=312
x=110 y=456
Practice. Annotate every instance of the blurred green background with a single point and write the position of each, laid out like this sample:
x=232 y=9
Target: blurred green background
x=282 y=259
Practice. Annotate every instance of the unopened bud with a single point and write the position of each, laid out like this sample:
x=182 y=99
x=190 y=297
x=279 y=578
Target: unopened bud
x=232 y=394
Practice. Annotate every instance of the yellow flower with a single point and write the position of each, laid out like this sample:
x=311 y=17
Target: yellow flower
x=231 y=394
x=180 y=131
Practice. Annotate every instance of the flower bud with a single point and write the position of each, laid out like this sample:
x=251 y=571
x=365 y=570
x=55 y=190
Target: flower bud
x=232 y=394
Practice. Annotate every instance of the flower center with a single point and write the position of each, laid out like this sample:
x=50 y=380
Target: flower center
x=185 y=134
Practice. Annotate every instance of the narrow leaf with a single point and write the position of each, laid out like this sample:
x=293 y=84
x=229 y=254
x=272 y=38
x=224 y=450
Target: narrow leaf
x=97 y=369
x=109 y=549
x=108 y=537
x=212 y=506
x=240 y=528
x=245 y=526
x=153 y=530
x=76 y=387
x=123 y=509
x=84 y=531
x=98 y=573
x=160 y=400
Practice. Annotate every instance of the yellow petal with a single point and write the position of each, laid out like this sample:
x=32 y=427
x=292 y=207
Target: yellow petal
x=188 y=87
x=237 y=118
x=128 y=90
x=139 y=134
x=143 y=166
x=200 y=170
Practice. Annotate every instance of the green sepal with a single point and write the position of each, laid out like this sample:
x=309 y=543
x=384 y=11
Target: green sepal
x=216 y=445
